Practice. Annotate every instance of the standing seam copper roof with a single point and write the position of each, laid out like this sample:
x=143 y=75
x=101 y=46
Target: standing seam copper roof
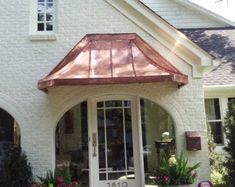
x=112 y=59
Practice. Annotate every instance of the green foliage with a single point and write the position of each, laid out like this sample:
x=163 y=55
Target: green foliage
x=16 y=169
x=61 y=178
x=178 y=171
x=217 y=160
x=211 y=142
x=230 y=148
x=48 y=179
x=218 y=171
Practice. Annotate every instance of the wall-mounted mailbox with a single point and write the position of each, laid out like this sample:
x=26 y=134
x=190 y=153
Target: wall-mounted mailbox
x=193 y=140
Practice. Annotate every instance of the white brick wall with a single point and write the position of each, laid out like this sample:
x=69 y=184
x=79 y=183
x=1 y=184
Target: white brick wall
x=181 y=16
x=23 y=62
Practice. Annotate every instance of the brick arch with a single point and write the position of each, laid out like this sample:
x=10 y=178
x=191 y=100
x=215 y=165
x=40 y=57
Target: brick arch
x=169 y=104
x=17 y=113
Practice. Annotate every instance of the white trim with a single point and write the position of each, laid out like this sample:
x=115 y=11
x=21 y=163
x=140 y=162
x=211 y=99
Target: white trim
x=94 y=161
x=34 y=34
x=140 y=134
x=169 y=36
x=223 y=102
x=205 y=11
x=219 y=120
x=219 y=87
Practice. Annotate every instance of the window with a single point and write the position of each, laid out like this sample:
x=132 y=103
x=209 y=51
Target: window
x=45 y=15
x=231 y=99
x=214 y=119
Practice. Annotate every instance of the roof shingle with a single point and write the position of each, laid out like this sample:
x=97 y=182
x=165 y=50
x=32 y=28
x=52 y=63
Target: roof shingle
x=220 y=43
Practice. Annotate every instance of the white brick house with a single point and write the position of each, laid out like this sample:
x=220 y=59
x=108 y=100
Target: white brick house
x=33 y=40
x=216 y=35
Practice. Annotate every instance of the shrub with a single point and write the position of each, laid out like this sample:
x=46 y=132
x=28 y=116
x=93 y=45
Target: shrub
x=217 y=160
x=16 y=169
x=230 y=148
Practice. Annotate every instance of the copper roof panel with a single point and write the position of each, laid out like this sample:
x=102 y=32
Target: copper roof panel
x=121 y=59
x=100 y=57
x=112 y=59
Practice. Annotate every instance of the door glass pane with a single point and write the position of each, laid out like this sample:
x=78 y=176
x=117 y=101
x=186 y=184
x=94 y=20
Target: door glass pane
x=72 y=144
x=101 y=140
x=113 y=103
x=115 y=140
x=100 y=104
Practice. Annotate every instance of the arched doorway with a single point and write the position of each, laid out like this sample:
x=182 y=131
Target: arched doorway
x=72 y=143
x=9 y=134
x=101 y=140
x=155 y=121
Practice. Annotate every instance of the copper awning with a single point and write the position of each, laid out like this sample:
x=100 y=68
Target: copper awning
x=112 y=59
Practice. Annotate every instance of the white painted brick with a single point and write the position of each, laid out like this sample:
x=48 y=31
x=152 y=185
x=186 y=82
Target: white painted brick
x=24 y=62
x=181 y=16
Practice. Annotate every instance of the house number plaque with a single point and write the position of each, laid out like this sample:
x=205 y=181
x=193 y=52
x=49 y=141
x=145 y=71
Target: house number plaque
x=117 y=184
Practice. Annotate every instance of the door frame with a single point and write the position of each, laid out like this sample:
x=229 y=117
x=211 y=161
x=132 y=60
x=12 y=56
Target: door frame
x=137 y=145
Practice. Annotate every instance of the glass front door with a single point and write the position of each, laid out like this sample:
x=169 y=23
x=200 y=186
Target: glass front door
x=115 y=144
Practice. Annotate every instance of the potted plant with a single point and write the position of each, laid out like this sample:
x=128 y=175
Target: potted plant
x=61 y=178
x=176 y=172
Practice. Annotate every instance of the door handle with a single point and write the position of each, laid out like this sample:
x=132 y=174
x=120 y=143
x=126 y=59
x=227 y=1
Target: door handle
x=94 y=144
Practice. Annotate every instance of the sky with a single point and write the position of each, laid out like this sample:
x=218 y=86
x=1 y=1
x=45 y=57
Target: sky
x=225 y=8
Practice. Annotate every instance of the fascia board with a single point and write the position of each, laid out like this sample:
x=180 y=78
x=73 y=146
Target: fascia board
x=219 y=87
x=165 y=33
x=205 y=11
x=219 y=91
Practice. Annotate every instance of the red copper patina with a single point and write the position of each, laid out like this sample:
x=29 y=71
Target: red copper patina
x=112 y=59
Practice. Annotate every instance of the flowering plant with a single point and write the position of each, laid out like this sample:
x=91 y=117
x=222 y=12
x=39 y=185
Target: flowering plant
x=176 y=171
x=61 y=183
x=165 y=135
x=164 y=180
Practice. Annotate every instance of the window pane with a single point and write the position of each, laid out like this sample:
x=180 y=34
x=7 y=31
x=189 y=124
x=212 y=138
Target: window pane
x=100 y=104
x=49 y=17
x=127 y=103
x=49 y=26
x=41 y=1
x=49 y=7
x=115 y=139
x=212 y=109
x=217 y=132
x=129 y=142
x=231 y=99
x=40 y=17
x=117 y=176
x=113 y=103
x=49 y=0
x=41 y=7
x=40 y=26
